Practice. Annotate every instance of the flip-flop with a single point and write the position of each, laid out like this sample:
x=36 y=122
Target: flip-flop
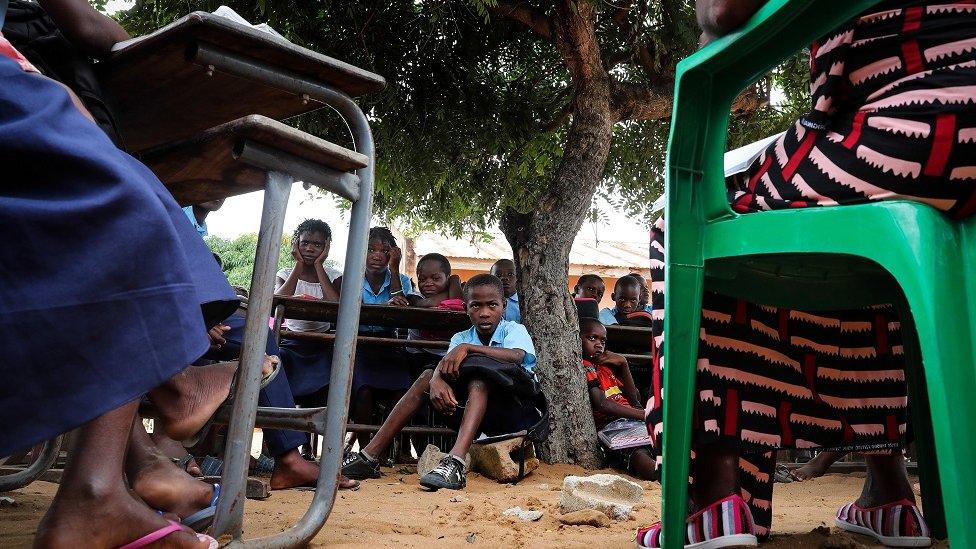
x=202 y=433
x=171 y=528
x=783 y=475
x=897 y=524
x=211 y=467
x=202 y=519
x=725 y=523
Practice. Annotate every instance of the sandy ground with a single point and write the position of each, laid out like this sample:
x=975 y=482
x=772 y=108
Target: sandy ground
x=395 y=512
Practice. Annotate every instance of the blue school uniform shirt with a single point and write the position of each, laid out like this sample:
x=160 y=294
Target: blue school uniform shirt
x=608 y=316
x=383 y=296
x=508 y=335
x=648 y=309
x=200 y=227
x=512 y=311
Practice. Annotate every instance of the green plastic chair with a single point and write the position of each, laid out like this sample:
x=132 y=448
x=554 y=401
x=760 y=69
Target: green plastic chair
x=899 y=252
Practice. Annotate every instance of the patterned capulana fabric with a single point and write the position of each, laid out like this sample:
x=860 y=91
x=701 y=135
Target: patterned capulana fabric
x=892 y=117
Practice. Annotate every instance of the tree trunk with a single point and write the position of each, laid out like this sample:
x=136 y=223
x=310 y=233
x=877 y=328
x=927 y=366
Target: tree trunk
x=541 y=242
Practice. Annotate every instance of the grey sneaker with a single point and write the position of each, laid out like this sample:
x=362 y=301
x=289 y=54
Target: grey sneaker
x=449 y=474
x=357 y=466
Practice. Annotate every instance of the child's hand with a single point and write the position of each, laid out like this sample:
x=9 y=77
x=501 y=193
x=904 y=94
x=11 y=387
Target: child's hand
x=442 y=396
x=320 y=260
x=297 y=256
x=451 y=363
x=216 y=335
x=399 y=301
x=395 y=255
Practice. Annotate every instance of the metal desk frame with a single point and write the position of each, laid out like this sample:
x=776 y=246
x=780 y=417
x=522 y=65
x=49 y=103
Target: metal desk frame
x=244 y=414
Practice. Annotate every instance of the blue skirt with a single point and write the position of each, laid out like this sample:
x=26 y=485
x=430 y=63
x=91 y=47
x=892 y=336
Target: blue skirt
x=102 y=278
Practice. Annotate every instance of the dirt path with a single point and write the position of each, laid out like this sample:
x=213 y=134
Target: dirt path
x=395 y=512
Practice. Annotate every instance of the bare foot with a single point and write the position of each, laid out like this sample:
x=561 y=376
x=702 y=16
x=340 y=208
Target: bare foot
x=293 y=471
x=188 y=400
x=163 y=485
x=175 y=450
x=816 y=467
x=110 y=518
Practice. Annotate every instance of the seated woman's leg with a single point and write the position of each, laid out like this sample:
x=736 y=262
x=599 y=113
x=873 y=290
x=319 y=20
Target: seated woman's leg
x=93 y=507
x=158 y=481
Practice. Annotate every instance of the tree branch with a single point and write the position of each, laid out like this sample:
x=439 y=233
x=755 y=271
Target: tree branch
x=537 y=21
x=630 y=101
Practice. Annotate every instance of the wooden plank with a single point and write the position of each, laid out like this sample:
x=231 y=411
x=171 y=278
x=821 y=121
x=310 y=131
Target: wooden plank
x=204 y=167
x=157 y=75
x=376 y=315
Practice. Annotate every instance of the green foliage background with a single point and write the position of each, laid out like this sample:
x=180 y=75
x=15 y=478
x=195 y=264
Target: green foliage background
x=469 y=122
x=237 y=256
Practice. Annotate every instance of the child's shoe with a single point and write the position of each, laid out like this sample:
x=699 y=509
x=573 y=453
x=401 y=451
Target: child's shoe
x=898 y=524
x=358 y=466
x=725 y=523
x=449 y=474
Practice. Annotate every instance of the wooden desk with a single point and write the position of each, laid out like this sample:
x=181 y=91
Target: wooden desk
x=172 y=84
x=431 y=319
x=214 y=164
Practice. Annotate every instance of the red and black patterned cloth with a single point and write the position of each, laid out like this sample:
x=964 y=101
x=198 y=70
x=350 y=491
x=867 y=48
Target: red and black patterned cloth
x=893 y=117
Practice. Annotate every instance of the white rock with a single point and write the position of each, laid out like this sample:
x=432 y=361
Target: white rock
x=523 y=514
x=612 y=495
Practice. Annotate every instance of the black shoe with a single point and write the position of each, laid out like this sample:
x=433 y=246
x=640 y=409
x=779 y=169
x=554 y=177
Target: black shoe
x=358 y=467
x=449 y=474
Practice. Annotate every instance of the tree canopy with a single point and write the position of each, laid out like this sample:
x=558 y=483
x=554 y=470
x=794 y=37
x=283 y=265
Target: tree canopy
x=475 y=114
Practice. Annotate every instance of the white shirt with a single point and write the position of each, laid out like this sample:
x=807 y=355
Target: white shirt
x=309 y=288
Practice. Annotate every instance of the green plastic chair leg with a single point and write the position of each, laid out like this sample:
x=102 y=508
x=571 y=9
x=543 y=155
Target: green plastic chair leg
x=942 y=322
x=928 y=465
x=681 y=328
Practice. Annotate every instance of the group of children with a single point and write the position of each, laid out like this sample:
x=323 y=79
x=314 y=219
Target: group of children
x=451 y=381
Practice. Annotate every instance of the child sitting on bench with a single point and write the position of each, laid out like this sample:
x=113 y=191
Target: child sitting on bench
x=628 y=311
x=613 y=394
x=471 y=404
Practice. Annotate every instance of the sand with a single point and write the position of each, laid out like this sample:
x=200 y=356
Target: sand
x=394 y=512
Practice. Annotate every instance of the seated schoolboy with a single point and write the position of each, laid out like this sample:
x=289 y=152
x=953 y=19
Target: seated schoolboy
x=613 y=393
x=472 y=406
x=381 y=373
x=626 y=296
x=504 y=269
x=590 y=286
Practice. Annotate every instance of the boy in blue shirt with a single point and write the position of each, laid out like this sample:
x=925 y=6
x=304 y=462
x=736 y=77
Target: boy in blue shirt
x=504 y=269
x=626 y=295
x=471 y=407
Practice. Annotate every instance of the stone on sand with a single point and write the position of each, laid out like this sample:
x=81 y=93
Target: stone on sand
x=611 y=495
x=585 y=517
x=495 y=460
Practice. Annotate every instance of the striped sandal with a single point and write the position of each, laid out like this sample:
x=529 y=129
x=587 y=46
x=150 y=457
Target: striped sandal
x=898 y=524
x=725 y=523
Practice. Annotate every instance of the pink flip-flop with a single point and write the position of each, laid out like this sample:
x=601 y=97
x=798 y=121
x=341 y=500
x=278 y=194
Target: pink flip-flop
x=898 y=524
x=171 y=528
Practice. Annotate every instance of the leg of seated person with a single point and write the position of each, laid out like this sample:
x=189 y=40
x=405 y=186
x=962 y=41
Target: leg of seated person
x=474 y=412
x=400 y=416
x=93 y=507
x=363 y=406
x=174 y=450
x=886 y=481
x=190 y=398
x=187 y=400
x=158 y=481
x=642 y=465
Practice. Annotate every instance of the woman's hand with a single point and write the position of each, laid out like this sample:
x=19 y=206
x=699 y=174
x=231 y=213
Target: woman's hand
x=442 y=396
x=216 y=335
x=320 y=260
x=297 y=256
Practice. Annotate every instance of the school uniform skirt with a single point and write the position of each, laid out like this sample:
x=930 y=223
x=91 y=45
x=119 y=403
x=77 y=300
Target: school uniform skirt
x=102 y=278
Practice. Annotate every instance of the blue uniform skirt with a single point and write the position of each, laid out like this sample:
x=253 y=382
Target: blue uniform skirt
x=102 y=278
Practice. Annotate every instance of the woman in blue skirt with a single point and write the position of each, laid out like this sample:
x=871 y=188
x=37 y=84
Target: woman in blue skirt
x=102 y=285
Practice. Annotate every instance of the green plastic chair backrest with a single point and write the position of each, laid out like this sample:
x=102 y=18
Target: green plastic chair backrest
x=706 y=85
